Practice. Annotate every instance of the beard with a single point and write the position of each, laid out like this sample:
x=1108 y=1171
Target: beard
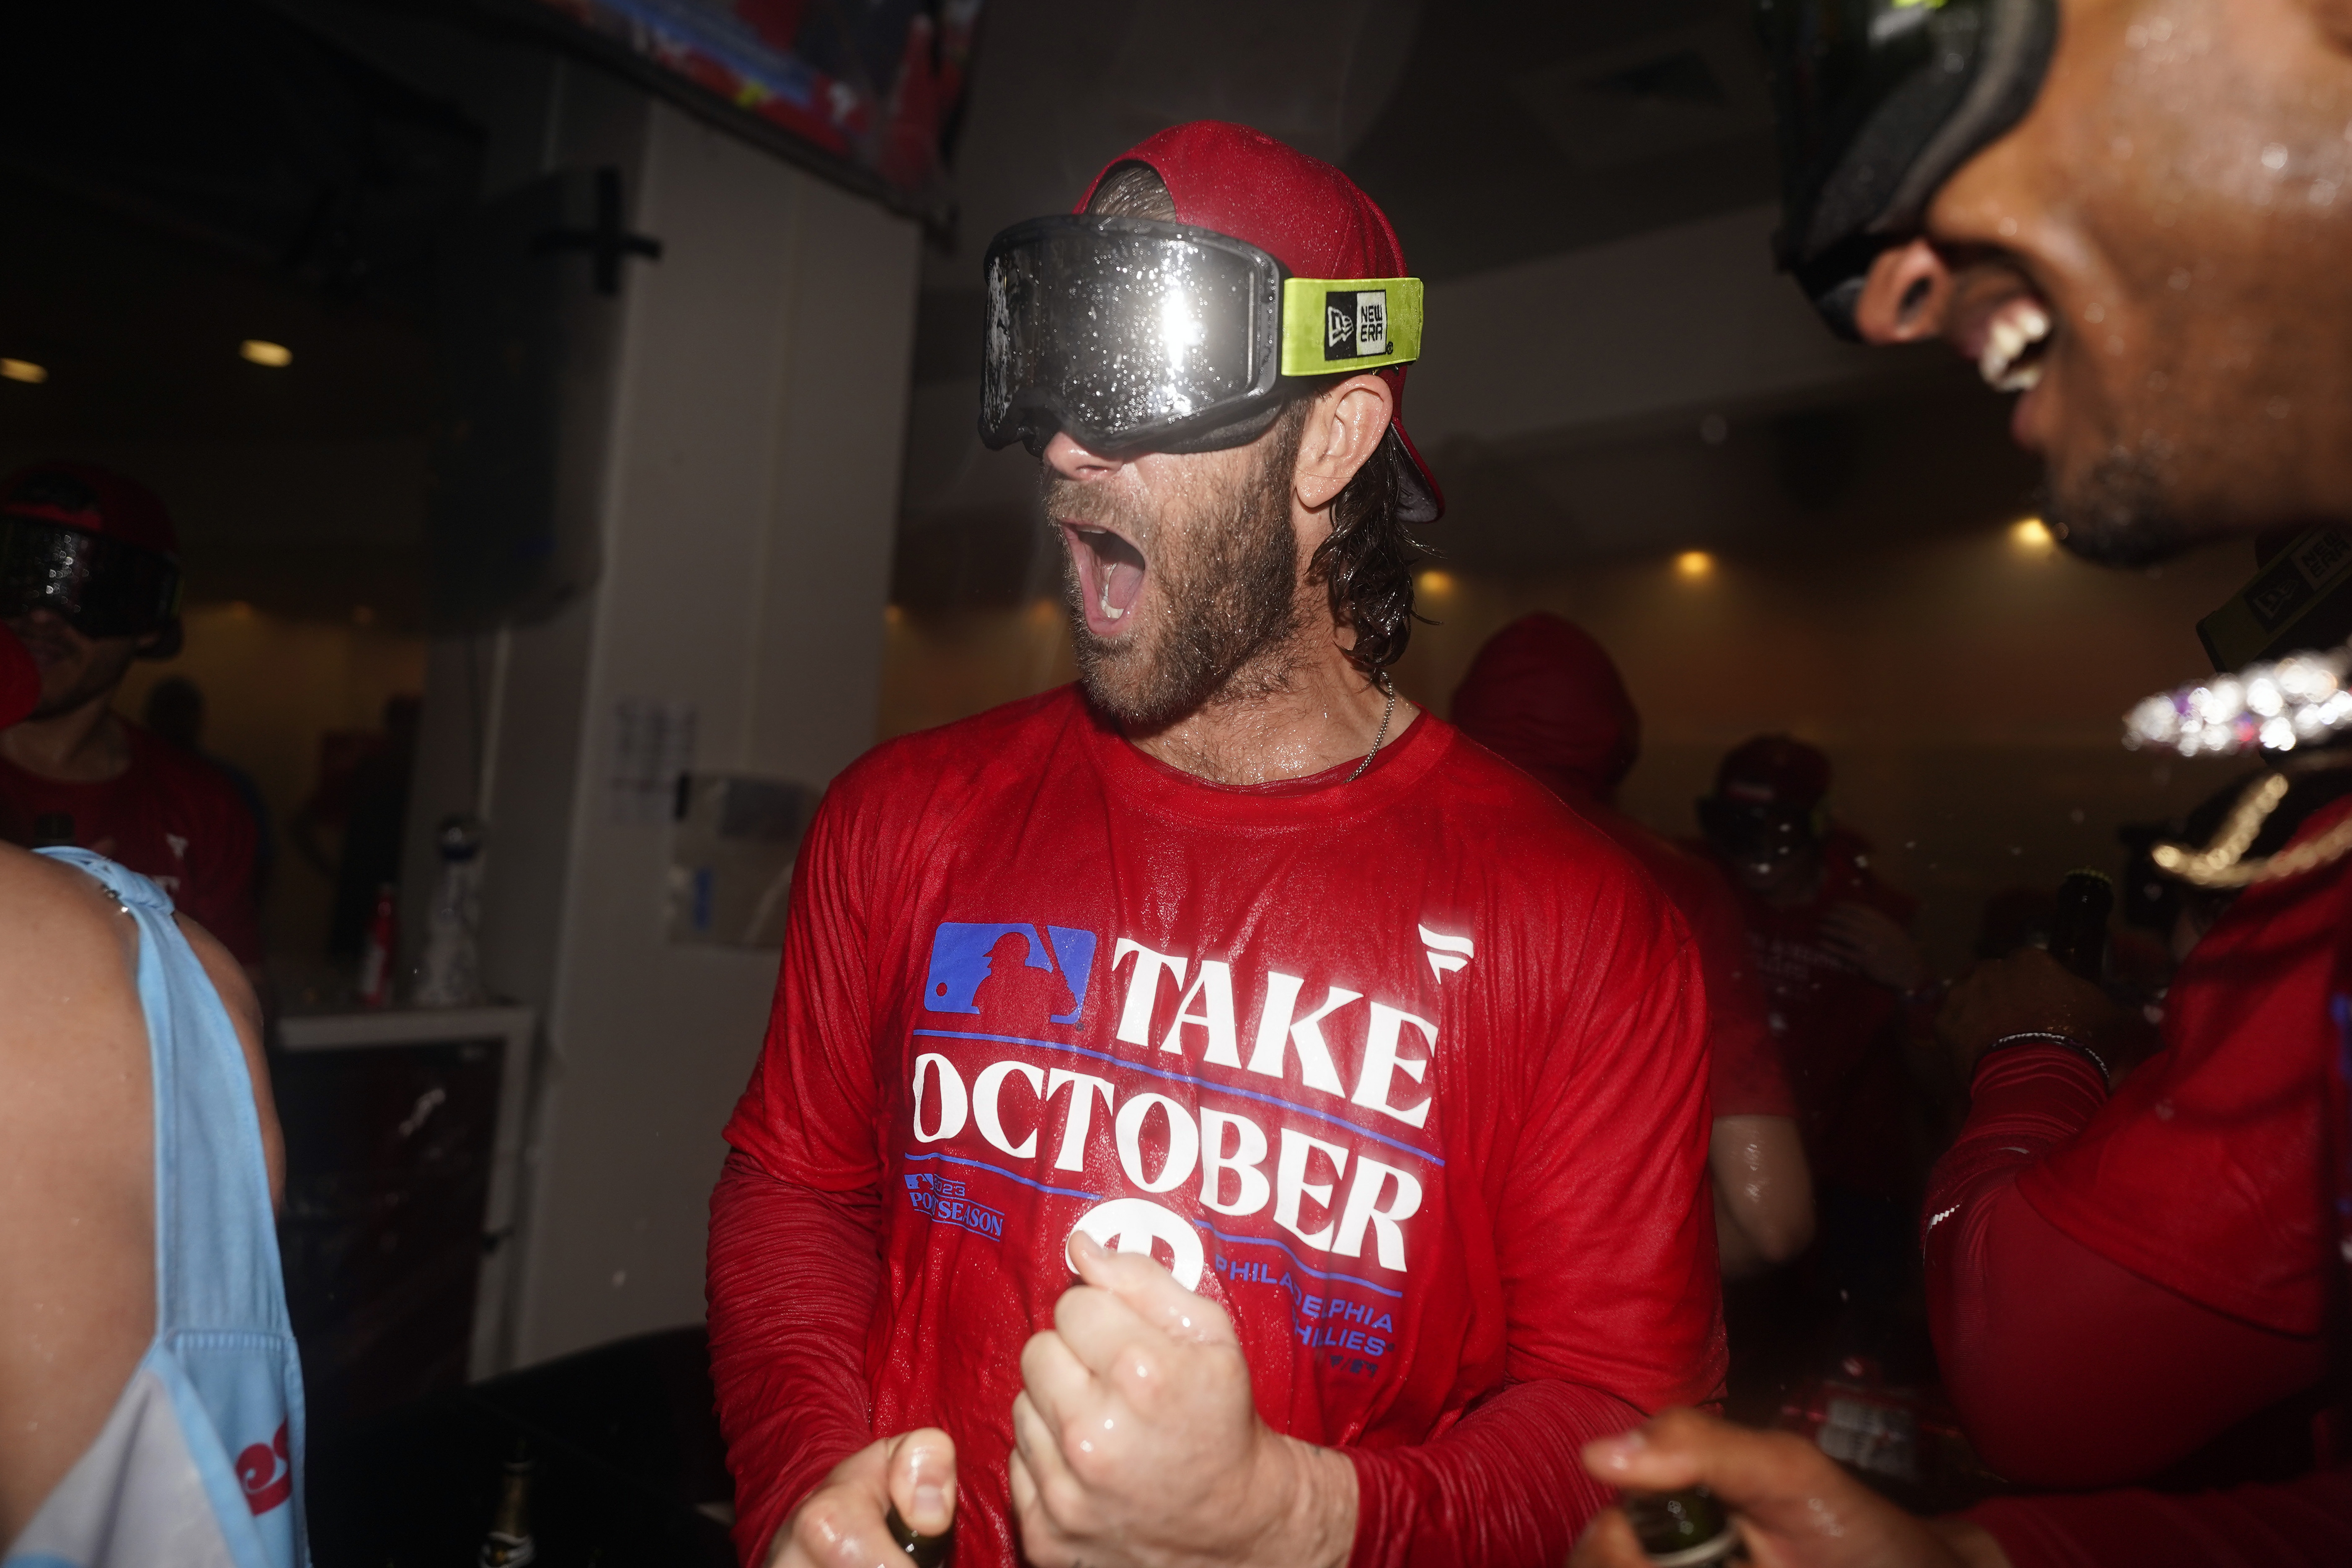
x=2122 y=513
x=1226 y=577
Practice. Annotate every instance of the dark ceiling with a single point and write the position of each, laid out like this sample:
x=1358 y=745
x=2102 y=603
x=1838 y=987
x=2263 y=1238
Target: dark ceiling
x=1521 y=129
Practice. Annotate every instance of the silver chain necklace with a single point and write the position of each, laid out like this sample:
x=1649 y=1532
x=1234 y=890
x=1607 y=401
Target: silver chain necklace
x=1383 y=733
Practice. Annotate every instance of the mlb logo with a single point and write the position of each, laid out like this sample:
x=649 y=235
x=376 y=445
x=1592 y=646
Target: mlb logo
x=1355 y=324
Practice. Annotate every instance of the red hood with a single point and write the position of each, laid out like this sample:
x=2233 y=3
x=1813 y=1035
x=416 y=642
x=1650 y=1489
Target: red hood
x=1545 y=697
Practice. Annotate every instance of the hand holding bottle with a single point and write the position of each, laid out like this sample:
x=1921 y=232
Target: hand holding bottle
x=1793 y=1506
x=846 y=1522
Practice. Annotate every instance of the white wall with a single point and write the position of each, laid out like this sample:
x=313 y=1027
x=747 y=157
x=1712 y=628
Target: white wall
x=749 y=482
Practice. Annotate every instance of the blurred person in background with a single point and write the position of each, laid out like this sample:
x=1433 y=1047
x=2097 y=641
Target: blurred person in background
x=151 y=1401
x=1843 y=980
x=366 y=801
x=90 y=580
x=2137 y=214
x=174 y=712
x=1544 y=696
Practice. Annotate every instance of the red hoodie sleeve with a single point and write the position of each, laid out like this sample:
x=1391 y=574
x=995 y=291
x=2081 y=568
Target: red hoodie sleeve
x=2067 y=1368
x=2305 y=1523
x=795 y=1264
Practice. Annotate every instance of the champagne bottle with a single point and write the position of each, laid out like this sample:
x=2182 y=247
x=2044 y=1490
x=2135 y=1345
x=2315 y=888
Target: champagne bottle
x=928 y=1551
x=2078 y=923
x=509 y=1544
x=1685 y=1528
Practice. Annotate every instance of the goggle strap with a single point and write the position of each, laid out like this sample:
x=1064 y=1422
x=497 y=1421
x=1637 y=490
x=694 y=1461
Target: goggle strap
x=1325 y=320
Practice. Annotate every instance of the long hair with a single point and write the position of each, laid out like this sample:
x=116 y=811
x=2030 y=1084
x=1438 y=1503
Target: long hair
x=1367 y=562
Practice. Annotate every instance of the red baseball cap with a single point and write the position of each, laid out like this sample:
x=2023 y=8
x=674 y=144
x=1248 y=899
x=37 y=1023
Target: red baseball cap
x=94 y=499
x=20 y=679
x=1774 y=770
x=1302 y=212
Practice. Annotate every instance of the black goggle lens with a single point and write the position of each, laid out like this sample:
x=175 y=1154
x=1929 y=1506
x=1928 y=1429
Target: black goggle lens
x=101 y=587
x=1754 y=832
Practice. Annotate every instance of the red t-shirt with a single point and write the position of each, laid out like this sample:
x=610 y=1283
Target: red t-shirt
x=1407 y=1073
x=1745 y=1076
x=169 y=817
x=1838 y=1029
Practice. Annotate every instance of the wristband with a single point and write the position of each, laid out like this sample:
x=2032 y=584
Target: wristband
x=2048 y=1037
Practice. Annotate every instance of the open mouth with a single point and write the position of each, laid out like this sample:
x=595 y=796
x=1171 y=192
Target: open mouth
x=1111 y=575
x=2016 y=341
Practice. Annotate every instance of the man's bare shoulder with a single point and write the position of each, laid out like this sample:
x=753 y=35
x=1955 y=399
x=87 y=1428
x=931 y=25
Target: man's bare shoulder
x=54 y=922
x=77 y=1171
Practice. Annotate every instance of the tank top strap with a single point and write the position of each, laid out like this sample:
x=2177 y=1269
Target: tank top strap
x=216 y=1237
x=224 y=1348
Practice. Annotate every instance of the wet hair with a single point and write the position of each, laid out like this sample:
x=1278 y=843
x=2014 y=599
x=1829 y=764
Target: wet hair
x=1366 y=565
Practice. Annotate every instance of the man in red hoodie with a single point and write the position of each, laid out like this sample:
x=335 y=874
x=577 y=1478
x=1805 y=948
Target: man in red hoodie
x=1382 y=1070
x=1544 y=696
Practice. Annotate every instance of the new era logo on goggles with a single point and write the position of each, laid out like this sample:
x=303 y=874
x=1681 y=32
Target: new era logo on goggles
x=1135 y=335
x=101 y=587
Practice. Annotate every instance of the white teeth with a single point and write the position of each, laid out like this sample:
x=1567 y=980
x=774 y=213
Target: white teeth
x=1110 y=611
x=2021 y=324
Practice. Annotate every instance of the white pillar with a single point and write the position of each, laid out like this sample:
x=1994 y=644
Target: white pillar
x=748 y=488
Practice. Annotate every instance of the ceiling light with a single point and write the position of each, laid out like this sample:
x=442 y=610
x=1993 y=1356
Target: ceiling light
x=1694 y=564
x=2031 y=533
x=24 y=370
x=1434 y=581
x=259 y=350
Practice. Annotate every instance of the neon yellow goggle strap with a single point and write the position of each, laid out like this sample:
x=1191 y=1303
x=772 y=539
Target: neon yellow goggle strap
x=1331 y=325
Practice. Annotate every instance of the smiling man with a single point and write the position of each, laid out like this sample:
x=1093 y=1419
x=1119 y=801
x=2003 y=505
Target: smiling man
x=2135 y=213
x=1382 y=1072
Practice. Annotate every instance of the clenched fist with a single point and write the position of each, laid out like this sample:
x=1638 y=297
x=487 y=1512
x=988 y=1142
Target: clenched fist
x=1137 y=1443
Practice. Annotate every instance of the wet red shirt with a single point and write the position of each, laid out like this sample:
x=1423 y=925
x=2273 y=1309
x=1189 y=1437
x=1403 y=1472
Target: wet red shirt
x=168 y=816
x=1839 y=1030
x=1407 y=1073
x=1744 y=1074
x=2114 y=1281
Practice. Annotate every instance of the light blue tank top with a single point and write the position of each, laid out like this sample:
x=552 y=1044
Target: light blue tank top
x=200 y=1462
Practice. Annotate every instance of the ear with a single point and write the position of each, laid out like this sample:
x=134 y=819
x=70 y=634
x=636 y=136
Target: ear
x=1345 y=426
x=2334 y=20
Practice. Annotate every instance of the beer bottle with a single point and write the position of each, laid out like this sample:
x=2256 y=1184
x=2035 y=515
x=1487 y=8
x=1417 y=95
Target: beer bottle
x=509 y=1544
x=928 y=1551
x=2078 y=923
x=1685 y=1528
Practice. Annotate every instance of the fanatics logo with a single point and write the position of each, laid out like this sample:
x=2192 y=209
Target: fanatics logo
x=1355 y=323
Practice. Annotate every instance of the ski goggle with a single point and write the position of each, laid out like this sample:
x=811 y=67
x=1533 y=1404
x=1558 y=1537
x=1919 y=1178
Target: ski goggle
x=1878 y=103
x=1134 y=335
x=1752 y=833
x=101 y=587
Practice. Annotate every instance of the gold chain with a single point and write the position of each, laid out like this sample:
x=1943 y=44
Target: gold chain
x=2222 y=863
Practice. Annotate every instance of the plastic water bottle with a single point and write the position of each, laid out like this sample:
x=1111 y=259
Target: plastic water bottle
x=450 y=974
